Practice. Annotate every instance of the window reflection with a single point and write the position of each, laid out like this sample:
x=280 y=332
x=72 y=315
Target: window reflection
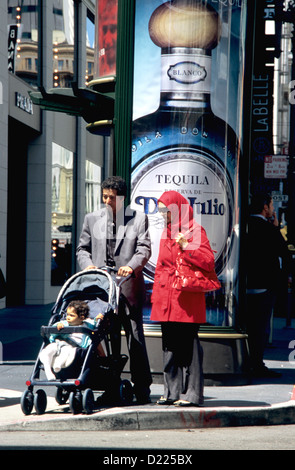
x=62 y=214
x=23 y=39
x=63 y=43
x=90 y=43
x=92 y=186
x=23 y=42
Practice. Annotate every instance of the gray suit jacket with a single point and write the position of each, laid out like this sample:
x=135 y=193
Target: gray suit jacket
x=132 y=248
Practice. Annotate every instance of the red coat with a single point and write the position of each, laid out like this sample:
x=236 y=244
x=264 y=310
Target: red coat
x=169 y=304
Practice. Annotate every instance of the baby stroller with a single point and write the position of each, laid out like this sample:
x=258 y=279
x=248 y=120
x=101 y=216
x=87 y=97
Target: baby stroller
x=88 y=371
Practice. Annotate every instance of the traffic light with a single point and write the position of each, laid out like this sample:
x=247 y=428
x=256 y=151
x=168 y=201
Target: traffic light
x=94 y=103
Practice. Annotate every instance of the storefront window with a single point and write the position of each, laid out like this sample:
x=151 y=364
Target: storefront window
x=62 y=214
x=63 y=43
x=23 y=40
x=90 y=42
x=92 y=187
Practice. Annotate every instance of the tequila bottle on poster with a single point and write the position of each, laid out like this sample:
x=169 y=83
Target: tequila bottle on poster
x=184 y=146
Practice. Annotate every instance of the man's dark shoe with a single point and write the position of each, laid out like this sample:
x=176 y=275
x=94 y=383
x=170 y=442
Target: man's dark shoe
x=264 y=372
x=106 y=399
x=142 y=395
x=142 y=399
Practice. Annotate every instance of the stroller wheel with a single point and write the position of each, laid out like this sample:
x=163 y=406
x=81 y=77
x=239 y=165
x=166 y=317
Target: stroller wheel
x=27 y=402
x=75 y=401
x=126 y=392
x=40 y=402
x=88 y=401
x=61 y=396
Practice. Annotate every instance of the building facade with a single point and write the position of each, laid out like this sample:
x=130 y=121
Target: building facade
x=50 y=166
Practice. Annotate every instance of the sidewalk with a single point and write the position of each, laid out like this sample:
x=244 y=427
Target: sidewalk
x=264 y=402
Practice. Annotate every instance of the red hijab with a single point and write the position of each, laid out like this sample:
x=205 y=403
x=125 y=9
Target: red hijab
x=182 y=218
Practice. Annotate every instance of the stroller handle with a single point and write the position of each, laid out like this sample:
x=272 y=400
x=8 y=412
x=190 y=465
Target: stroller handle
x=119 y=280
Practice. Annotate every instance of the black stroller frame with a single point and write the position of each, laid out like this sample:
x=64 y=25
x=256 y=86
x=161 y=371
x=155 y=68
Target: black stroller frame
x=88 y=372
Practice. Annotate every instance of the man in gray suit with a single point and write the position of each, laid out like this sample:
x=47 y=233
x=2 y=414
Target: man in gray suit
x=120 y=239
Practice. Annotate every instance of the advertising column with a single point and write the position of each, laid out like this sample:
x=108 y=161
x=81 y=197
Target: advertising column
x=187 y=113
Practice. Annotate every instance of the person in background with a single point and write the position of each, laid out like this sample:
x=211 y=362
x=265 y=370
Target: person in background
x=267 y=254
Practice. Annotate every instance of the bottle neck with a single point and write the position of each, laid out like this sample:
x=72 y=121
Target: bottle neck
x=186 y=78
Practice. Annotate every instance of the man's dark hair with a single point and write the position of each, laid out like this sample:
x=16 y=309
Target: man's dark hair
x=258 y=201
x=81 y=308
x=115 y=182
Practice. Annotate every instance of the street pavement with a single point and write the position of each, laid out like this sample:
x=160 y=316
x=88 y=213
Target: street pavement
x=262 y=402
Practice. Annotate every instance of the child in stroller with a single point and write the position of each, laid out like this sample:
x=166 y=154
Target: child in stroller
x=95 y=367
x=60 y=353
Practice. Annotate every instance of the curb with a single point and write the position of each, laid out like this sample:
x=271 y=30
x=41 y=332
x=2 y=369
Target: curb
x=148 y=419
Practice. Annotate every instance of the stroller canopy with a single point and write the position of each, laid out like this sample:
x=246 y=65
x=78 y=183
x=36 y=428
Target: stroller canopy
x=88 y=285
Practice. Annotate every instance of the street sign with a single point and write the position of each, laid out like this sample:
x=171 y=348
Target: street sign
x=277 y=196
x=276 y=166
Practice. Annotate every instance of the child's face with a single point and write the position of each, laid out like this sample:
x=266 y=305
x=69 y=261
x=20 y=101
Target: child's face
x=73 y=318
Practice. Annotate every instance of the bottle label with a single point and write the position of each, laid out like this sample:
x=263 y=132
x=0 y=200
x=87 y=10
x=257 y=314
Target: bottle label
x=181 y=74
x=200 y=177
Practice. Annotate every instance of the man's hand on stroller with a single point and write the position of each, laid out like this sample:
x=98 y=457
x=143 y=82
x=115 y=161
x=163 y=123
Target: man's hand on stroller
x=125 y=271
x=90 y=267
x=100 y=316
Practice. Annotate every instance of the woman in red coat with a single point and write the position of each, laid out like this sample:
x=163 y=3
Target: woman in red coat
x=180 y=313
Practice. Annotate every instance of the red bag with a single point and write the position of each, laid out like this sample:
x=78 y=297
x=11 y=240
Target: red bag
x=191 y=278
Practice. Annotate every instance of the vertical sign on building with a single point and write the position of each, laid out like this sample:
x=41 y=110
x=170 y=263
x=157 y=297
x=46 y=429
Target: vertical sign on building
x=188 y=93
x=262 y=100
x=12 y=38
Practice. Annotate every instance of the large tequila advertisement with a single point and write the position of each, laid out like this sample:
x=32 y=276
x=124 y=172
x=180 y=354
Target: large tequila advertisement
x=187 y=108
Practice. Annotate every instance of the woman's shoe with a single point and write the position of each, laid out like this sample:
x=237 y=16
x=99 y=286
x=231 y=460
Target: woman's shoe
x=184 y=403
x=164 y=401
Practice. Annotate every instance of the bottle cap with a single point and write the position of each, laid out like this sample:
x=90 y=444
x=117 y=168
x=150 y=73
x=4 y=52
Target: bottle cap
x=185 y=23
